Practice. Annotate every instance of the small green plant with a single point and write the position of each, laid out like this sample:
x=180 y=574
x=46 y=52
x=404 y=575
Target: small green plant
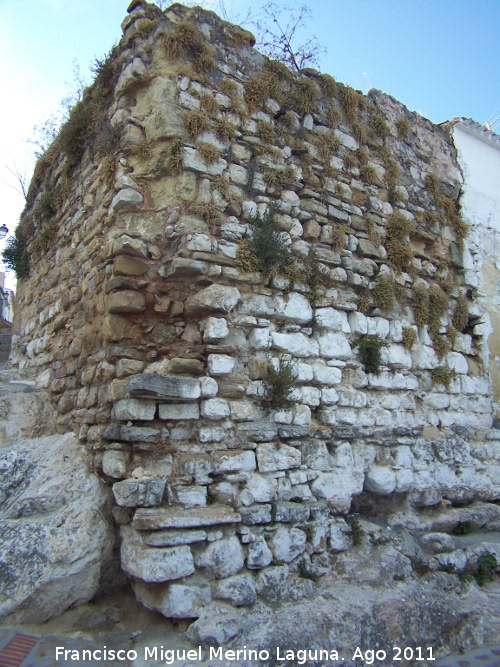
x=462 y=528
x=460 y=317
x=334 y=116
x=409 y=337
x=442 y=375
x=403 y=127
x=279 y=385
x=109 y=166
x=259 y=88
x=485 y=568
x=208 y=152
x=432 y=184
x=196 y=122
x=378 y=127
x=311 y=274
x=143 y=150
x=357 y=532
x=328 y=85
x=383 y=293
x=350 y=102
x=370 y=352
x=267 y=249
x=15 y=255
x=209 y=211
x=339 y=237
x=208 y=103
x=47 y=205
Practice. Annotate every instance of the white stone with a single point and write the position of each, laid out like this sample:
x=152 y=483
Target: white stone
x=153 y=564
x=259 y=554
x=208 y=386
x=396 y=356
x=272 y=457
x=175 y=411
x=193 y=160
x=328 y=375
x=260 y=338
x=380 y=480
x=222 y=558
x=334 y=346
x=424 y=358
x=215 y=408
x=234 y=461
x=358 y=323
x=329 y=318
x=215 y=329
x=191 y=496
x=296 y=344
x=295 y=307
x=338 y=487
x=124 y=199
x=311 y=396
x=201 y=243
x=173 y=600
x=114 y=463
x=287 y=543
x=239 y=590
x=329 y=396
x=215 y=297
x=242 y=411
x=302 y=415
x=134 y=408
x=220 y=364
x=457 y=362
x=262 y=489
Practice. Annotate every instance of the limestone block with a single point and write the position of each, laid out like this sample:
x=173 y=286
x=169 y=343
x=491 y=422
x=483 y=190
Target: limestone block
x=334 y=346
x=222 y=558
x=173 y=600
x=126 y=198
x=329 y=318
x=173 y=538
x=263 y=490
x=287 y=543
x=151 y=385
x=287 y=512
x=183 y=266
x=438 y=542
x=129 y=266
x=296 y=344
x=259 y=554
x=351 y=398
x=380 y=480
x=220 y=364
x=271 y=583
x=215 y=297
x=114 y=463
x=295 y=307
x=396 y=356
x=215 y=408
x=302 y=415
x=200 y=243
x=179 y=517
x=273 y=456
x=215 y=329
x=358 y=323
x=260 y=339
x=131 y=433
x=126 y=367
x=329 y=396
x=208 y=387
x=144 y=492
x=338 y=487
x=257 y=305
x=405 y=480
x=257 y=514
x=239 y=590
x=242 y=411
x=329 y=375
x=126 y=245
x=177 y=411
x=339 y=535
x=378 y=326
x=233 y=461
x=424 y=358
x=193 y=160
x=258 y=431
x=315 y=455
x=457 y=362
x=134 y=408
x=387 y=380
x=191 y=496
x=311 y=396
x=154 y=564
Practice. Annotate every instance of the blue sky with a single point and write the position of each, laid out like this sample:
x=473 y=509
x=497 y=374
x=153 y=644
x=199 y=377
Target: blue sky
x=438 y=57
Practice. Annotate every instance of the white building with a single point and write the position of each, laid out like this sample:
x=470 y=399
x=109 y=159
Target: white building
x=478 y=150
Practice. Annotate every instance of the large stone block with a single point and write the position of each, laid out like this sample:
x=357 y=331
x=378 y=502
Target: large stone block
x=222 y=558
x=215 y=297
x=126 y=301
x=295 y=343
x=175 y=411
x=259 y=554
x=287 y=543
x=151 y=385
x=233 y=461
x=178 y=517
x=272 y=457
x=145 y=492
x=173 y=600
x=215 y=408
x=295 y=307
x=134 y=408
x=220 y=364
x=154 y=564
x=239 y=590
x=334 y=346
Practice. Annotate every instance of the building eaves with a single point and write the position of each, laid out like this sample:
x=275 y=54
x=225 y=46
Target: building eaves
x=474 y=128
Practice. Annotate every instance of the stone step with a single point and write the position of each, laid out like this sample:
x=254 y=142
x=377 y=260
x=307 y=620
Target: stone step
x=156 y=518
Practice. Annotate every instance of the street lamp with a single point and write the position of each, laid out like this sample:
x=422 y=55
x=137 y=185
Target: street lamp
x=3 y=231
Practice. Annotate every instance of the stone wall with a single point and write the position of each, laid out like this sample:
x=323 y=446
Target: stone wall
x=162 y=335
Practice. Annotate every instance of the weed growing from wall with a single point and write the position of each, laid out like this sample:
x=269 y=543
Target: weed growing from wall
x=279 y=385
x=383 y=293
x=370 y=352
x=403 y=127
x=442 y=375
x=420 y=304
x=485 y=568
x=460 y=316
x=409 y=337
x=195 y=122
x=15 y=255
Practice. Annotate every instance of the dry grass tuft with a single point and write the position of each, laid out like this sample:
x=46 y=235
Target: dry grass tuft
x=196 y=122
